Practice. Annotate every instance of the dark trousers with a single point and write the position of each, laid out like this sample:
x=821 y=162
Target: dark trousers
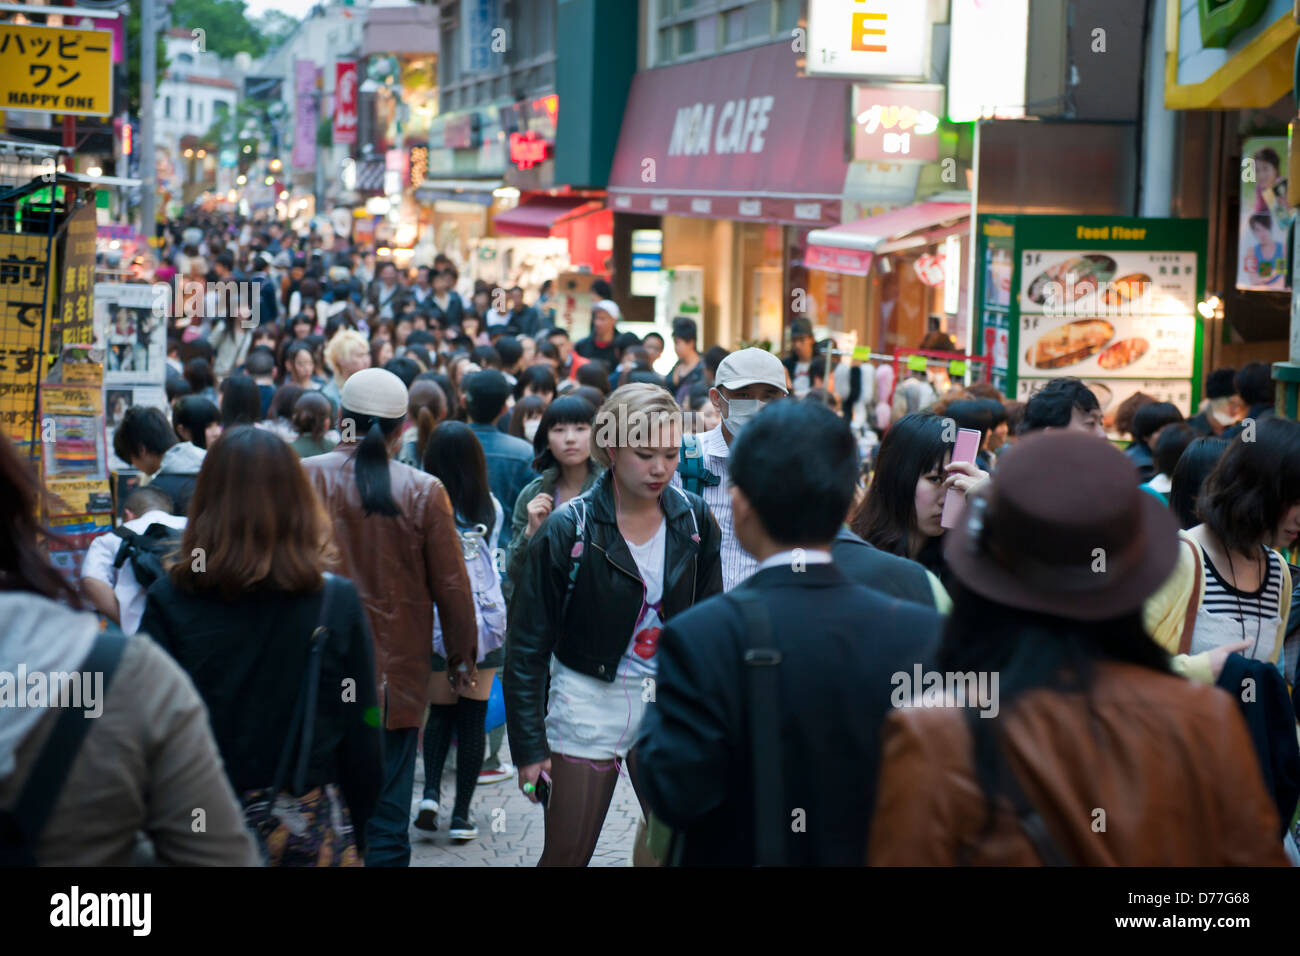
x=388 y=837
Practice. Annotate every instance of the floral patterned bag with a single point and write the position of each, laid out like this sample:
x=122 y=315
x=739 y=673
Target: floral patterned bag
x=315 y=828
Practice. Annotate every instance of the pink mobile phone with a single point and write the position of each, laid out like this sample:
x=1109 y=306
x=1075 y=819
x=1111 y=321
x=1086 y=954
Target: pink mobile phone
x=968 y=445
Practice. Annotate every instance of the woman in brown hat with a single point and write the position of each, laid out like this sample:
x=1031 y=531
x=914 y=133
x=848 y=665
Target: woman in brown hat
x=1089 y=751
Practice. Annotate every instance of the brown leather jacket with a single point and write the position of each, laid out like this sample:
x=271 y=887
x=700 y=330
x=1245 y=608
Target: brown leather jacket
x=1168 y=761
x=402 y=567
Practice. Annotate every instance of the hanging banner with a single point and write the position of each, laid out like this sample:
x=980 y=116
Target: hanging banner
x=304 y=130
x=345 y=102
x=56 y=70
x=74 y=315
x=1265 y=215
x=24 y=298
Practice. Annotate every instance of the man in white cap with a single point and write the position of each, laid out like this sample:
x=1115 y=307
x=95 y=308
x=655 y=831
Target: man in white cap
x=604 y=327
x=746 y=380
x=398 y=543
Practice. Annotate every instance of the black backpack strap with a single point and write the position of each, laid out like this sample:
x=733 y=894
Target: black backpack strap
x=1031 y=821
x=575 y=553
x=763 y=706
x=50 y=772
x=124 y=549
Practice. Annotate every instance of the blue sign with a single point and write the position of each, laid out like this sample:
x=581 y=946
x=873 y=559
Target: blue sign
x=479 y=19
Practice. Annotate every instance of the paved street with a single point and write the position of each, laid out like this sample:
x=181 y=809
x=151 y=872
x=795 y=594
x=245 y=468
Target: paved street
x=510 y=829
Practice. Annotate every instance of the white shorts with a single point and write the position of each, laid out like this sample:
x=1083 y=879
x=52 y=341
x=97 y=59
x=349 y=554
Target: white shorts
x=590 y=718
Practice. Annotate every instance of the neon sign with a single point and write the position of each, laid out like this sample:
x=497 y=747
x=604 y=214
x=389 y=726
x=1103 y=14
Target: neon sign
x=528 y=149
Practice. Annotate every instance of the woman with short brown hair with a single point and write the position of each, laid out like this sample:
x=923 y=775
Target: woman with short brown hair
x=242 y=609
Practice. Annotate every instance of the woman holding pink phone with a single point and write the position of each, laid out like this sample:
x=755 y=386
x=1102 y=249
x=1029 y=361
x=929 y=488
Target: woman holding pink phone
x=902 y=512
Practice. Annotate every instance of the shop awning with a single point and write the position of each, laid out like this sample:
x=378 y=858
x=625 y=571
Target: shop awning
x=849 y=249
x=740 y=136
x=538 y=216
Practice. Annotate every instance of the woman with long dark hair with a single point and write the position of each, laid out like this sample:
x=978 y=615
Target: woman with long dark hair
x=241 y=401
x=565 y=469
x=244 y=622
x=454 y=456
x=1194 y=466
x=398 y=542
x=148 y=758
x=1068 y=740
x=1239 y=597
x=904 y=503
x=526 y=417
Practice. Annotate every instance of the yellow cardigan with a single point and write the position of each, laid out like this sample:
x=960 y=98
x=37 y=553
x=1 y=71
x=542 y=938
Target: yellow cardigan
x=1165 y=612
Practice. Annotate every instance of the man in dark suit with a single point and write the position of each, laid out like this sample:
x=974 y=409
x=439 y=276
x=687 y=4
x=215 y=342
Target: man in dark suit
x=831 y=652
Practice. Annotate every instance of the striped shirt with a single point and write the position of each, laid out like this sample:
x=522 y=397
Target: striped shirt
x=737 y=563
x=1228 y=615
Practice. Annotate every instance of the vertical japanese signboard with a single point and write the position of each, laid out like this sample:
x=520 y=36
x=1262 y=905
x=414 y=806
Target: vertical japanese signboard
x=345 y=102
x=24 y=333
x=74 y=316
x=1111 y=301
x=56 y=70
x=304 y=129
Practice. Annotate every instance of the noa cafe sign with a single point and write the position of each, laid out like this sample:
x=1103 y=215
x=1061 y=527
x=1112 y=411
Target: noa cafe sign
x=741 y=126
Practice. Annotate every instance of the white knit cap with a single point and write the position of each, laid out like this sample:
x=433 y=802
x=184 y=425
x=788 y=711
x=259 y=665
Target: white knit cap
x=375 y=391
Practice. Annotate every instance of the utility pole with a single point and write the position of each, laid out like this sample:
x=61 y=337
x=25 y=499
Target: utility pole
x=148 y=83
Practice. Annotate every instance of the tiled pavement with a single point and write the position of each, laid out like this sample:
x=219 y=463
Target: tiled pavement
x=510 y=829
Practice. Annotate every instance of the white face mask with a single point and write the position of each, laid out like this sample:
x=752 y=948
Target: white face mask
x=530 y=428
x=739 y=413
x=1224 y=418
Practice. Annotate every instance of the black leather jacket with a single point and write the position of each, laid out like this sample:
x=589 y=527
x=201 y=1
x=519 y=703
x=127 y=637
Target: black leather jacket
x=604 y=604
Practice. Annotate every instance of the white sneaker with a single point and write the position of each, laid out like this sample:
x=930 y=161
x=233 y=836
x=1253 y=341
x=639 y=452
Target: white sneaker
x=427 y=818
x=504 y=772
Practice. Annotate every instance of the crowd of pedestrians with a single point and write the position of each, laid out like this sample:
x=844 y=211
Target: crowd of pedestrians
x=400 y=501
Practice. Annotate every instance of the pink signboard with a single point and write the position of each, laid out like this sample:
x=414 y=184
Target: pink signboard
x=305 y=103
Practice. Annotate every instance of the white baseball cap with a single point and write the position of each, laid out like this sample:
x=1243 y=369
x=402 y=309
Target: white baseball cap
x=375 y=391
x=610 y=306
x=752 y=366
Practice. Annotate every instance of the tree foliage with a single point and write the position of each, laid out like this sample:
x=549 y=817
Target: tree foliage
x=226 y=27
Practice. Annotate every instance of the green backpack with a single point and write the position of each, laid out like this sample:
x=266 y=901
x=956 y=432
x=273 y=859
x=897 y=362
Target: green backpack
x=690 y=466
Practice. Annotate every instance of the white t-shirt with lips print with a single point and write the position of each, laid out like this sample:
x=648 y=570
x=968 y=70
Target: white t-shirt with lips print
x=639 y=658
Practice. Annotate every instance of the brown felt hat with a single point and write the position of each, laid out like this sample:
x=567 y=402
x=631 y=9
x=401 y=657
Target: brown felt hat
x=1064 y=529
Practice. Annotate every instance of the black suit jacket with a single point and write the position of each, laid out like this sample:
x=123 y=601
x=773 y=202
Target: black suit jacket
x=863 y=562
x=840 y=645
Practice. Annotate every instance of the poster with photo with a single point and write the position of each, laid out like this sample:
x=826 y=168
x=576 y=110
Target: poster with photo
x=1107 y=283
x=1145 y=346
x=135 y=339
x=116 y=401
x=1265 y=215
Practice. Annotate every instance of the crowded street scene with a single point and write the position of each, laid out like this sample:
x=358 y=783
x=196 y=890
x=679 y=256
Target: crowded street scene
x=650 y=433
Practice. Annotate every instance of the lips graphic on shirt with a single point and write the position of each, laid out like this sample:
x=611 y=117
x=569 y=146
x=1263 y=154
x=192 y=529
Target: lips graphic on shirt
x=646 y=642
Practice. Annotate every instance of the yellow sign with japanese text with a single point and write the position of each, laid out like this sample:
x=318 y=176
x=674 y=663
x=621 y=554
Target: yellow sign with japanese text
x=56 y=70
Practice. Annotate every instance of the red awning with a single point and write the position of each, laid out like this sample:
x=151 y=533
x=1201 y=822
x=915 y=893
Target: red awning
x=849 y=249
x=538 y=216
x=740 y=136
